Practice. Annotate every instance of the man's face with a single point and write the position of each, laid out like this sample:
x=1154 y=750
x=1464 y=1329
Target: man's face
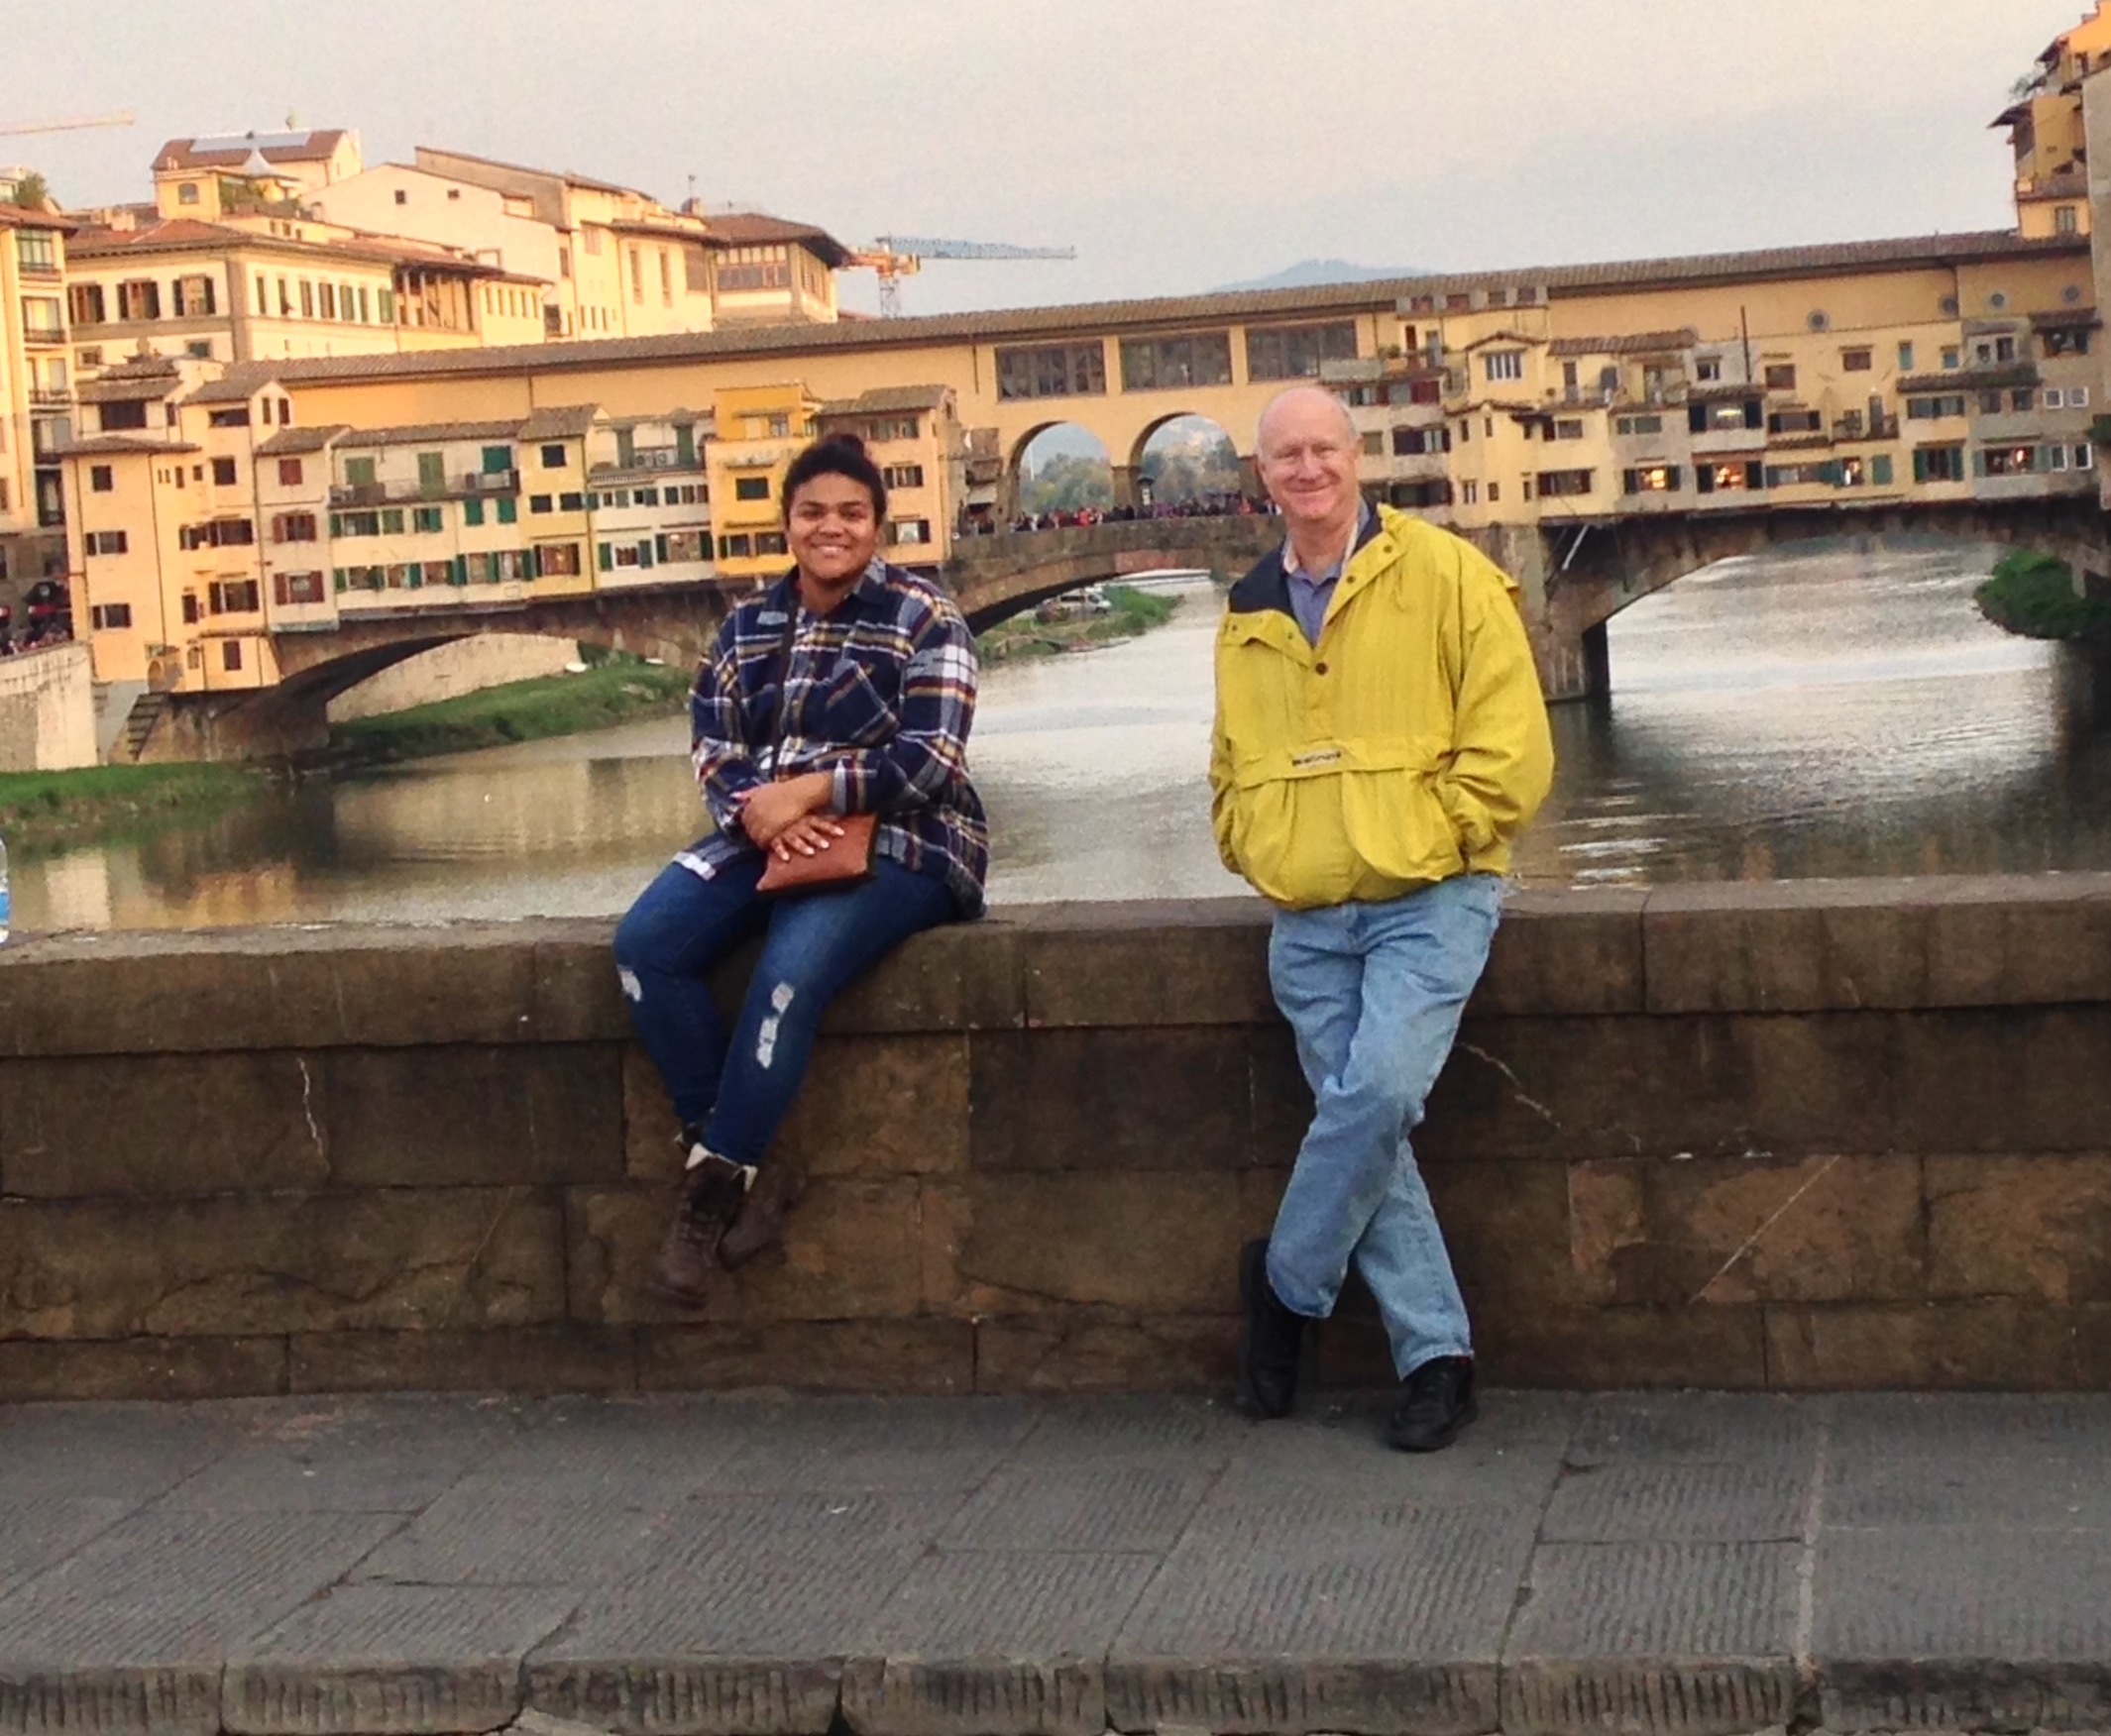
x=1307 y=460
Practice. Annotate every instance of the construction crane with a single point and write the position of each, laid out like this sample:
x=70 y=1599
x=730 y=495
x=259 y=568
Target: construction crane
x=123 y=118
x=895 y=256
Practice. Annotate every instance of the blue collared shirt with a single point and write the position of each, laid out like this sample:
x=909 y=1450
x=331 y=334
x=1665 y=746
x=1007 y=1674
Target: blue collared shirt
x=1311 y=592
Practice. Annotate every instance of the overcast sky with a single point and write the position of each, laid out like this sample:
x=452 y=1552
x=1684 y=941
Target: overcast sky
x=1177 y=144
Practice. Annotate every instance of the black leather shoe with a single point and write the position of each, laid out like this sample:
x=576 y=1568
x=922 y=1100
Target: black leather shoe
x=1269 y=1354
x=1436 y=1402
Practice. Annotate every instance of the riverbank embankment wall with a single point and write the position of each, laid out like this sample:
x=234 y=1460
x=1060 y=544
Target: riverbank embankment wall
x=1818 y=1135
x=47 y=710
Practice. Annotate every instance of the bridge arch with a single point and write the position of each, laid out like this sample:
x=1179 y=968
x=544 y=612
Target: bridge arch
x=1182 y=439
x=1078 y=455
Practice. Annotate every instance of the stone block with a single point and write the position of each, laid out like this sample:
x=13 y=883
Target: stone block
x=852 y=1251
x=1998 y=1344
x=1187 y=962
x=156 y=1125
x=430 y=1259
x=1567 y=951
x=964 y=976
x=1510 y=1229
x=392 y=1661
x=1711 y=1231
x=468 y=1117
x=1723 y=1349
x=1786 y=945
x=1670 y=1502
x=2033 y=1227
x=1282 y=1100
x=921 y=1356
x=2020 y=940
x=1094 y=1350
x=2020 y=1080
x=1172 y=1099
x=676 y=1693
x=577 y=998
x=167 y=1368
x=530 y=1358
x=172 y=1701
x=874 y=1106
x=167 y=992
x=1141 y=1244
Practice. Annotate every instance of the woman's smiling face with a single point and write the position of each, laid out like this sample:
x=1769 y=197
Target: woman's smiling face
x=831 y=528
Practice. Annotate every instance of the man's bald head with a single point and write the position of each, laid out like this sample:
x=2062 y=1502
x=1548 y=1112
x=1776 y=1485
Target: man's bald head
x=1304 y=407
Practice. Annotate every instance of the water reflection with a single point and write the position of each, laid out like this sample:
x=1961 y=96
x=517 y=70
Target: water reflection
x=1823 y=714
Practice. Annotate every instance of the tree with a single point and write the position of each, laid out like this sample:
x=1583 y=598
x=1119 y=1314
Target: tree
x=1065 y=482
x=33 y=193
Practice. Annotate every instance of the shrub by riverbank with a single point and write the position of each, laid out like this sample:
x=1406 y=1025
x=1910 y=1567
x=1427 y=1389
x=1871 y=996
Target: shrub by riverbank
x=612 y=692
x=59 y=807
x=2034 y=595
x=1133 y=612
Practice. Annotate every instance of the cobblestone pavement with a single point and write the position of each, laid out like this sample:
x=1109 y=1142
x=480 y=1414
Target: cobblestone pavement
x=982 y=1567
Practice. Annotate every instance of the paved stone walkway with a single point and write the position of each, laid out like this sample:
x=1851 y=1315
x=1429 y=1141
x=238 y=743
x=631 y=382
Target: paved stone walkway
x=975 y=1568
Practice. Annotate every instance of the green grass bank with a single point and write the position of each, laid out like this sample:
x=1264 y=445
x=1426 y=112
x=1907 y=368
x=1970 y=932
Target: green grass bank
x=2034 y=595
x=613 y=690
x=54 y=809
x=1133 y=611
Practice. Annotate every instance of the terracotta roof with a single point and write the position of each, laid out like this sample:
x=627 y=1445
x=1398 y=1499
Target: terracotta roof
x=231 y=151
x=1722 y=390
x=292 y=442
x=884 y=398
x=559 y=421
x=1504 y=336
x=22 y=217
x=428 y=433
x=2066 y=319
x=559 y=174
x=759 y=229
x=1025 y=324
x=195 y=235
x=116 y=387
x=97 y=444
x=1635 y=344
x=1971 y=379
x=238 y=386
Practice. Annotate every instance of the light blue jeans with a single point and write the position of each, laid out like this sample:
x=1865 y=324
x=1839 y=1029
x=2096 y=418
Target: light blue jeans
x=1374 y=993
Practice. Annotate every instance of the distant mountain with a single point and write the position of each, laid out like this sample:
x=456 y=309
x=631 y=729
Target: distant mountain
x=1308 y=272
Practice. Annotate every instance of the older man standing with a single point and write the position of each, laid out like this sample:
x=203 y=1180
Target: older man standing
x=1380 y=739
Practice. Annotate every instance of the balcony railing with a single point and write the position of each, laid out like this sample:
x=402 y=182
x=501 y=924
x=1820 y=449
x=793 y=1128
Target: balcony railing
x=505 y=482
x=51 y=397
x=405 y=494
x=1859 y=427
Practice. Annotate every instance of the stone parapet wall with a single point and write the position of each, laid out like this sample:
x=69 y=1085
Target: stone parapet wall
x=46 y=710
x=1806 y=1135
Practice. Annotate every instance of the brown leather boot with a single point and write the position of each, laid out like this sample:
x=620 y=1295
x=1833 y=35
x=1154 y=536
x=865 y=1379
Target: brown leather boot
x=759 y=1222
x=711 y=1196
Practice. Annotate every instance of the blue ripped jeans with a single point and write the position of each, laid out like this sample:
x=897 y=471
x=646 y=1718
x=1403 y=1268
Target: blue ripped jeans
x=738 y=1091
x=1374 y=993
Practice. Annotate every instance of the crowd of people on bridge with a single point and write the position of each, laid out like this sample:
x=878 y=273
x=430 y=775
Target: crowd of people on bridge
x=1206 y=506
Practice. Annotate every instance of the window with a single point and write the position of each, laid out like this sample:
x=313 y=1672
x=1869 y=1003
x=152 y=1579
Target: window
x=285 y=412
x=1652 y=478
x=230 y=654
x=102 y=478
x=1500 y=365
x=1906 y=357
x=1726 y=479
x=2005 y=461
x=471 y=512
x=139 y=298
x=678 y=546
x=290 y=527
x=1197 y=359
x=106 y=615
x=769 y=542
x=2065 y=221
x=1707 y=368
x=637 y=279
x=553 y=458
x=307 y=299
x=1992 y=351
x=35 y=250
x=290 y=472
x=1857 y=361
x=556 y=560
x=751 y=488
x=570 y=503
x=223 y=473
x=1781 y=376
x=1722 y=416
x=2078 y=398
x=86 y=302
x=540 y=504
x=89 y=356
x=2061 y=341
x=1296 y=352
x=427 y=521
x=1494 y=492
x=1470 y=493
x=734 y=548
x=619 y=555
x=326 y=293
x=1374 y=443
x=509 y=509
x=909 y=530
x=1989 y=404
x=232 y=595
x=1555 y=484
x=358 y=471
x=191 y=611
x=1052 y=370
x=235 y=417
x=2084 y=456
x=293 y=588
x=106 y=542
x=1796 y=422
x=1953 y=358
x=194 y=297
x=402 y=197
x=2021 y=400
x=1935 y=410
x=2054 y=399
x=1567 y=429
x=1640 y=424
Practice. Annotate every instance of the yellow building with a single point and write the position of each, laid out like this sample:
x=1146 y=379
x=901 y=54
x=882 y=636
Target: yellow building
x=768 y=271
x=914 y=434
x=243 y=173
x=35 y=400
x=2047 y=132
x=756 y=431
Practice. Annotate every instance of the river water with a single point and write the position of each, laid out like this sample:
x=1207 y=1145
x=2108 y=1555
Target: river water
x=1830 y=713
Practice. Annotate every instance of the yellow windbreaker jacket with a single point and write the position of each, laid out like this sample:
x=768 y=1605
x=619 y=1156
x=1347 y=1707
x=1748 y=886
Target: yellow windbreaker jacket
x=1408 y=745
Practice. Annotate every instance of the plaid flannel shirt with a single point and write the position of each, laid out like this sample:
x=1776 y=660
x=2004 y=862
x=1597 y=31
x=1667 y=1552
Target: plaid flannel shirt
x=881 y=694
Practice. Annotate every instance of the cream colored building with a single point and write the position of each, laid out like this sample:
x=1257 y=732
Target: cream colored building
x=36 y=397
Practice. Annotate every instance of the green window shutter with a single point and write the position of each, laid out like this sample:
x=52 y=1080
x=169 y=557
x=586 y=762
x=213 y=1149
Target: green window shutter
x=685 y=444
x=337 y=524
x=337 y=576
x=644 y=554
x=626 y=448
x=393 y=521
x=1978 y=462
x=461 y=571
x=659 y=546
x=472 y=511
x=509 y=509
x=1880 y=469
x=607 y=557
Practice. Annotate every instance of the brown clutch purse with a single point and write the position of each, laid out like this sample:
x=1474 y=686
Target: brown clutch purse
x=847 y=860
